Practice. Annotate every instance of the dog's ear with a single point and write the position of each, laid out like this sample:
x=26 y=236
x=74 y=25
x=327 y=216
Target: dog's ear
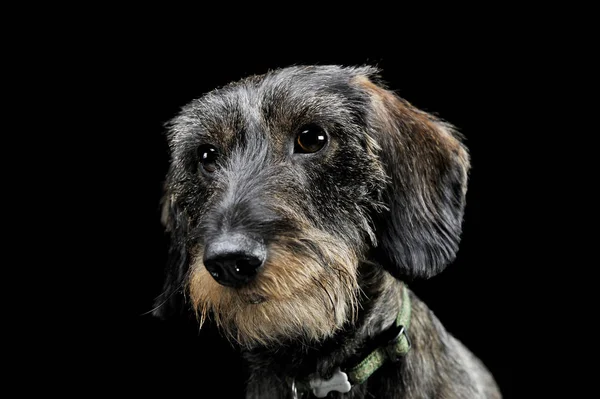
x=172 y=299
x=427 y=167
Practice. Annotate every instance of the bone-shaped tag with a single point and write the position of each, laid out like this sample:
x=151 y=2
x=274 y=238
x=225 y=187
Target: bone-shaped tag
x=338 y=382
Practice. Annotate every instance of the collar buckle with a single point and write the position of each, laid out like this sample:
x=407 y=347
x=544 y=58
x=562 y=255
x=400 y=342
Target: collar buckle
x=393 y=348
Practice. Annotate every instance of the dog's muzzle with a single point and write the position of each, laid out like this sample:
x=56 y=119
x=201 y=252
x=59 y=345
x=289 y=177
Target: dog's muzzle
x=234 y=259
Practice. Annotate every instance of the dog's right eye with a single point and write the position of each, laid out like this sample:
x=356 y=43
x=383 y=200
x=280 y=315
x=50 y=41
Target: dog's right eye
x=208 y=156
x=311 y=139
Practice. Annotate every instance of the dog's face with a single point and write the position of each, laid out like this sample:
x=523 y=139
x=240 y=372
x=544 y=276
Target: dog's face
x=281 y=185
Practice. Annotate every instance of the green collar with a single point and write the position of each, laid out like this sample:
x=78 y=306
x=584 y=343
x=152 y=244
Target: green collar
x=394 y=345
x=393 y=349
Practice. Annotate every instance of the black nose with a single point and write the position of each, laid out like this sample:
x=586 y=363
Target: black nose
x=234 y=259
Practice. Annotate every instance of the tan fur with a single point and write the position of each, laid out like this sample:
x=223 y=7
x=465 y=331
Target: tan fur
x=386 y=102
x=388 y=108
x=299 y=298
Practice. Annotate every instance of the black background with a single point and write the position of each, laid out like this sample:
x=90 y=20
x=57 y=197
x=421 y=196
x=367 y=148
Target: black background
x=132 y=86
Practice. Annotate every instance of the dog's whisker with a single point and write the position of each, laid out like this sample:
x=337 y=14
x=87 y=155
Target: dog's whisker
x=333 y=306
x=170 y=295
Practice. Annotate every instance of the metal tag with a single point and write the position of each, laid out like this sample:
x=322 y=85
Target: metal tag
x=338 y=382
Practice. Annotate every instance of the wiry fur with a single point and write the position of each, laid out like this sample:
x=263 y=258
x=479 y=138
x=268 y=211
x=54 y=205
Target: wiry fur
x=382 y=201
x=317 y=294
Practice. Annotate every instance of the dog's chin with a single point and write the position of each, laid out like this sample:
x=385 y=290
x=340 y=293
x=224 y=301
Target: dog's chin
x=252 y=317
x=291 y=298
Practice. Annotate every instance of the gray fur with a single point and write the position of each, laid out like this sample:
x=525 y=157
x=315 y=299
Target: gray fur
x=390 y=186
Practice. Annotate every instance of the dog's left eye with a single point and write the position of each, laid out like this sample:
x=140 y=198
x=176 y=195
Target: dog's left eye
x=208 y=157
x=310 y=139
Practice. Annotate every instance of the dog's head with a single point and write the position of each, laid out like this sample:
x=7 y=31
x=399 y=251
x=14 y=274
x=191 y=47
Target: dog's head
x=281 y=184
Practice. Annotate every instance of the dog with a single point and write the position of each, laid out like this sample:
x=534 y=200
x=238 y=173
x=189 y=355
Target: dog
x=298 y=203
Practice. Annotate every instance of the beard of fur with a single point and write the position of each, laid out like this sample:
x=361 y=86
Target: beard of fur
x=305 y=296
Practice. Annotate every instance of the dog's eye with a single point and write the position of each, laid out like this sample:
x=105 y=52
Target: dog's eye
x=208 y=156
x=310 y=139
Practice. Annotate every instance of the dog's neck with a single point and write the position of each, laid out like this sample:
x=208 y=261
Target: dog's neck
x=379 y=307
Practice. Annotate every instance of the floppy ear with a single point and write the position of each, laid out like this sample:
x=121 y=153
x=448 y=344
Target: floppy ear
x=427 y=167
x=171 y=301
